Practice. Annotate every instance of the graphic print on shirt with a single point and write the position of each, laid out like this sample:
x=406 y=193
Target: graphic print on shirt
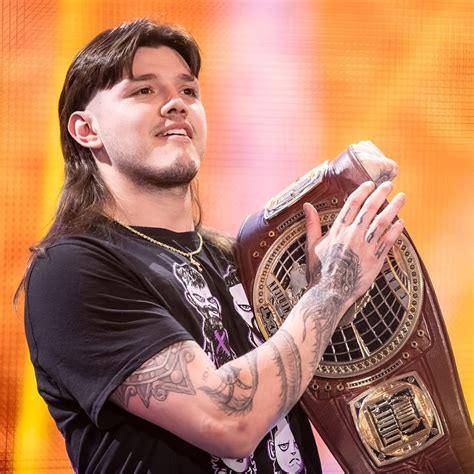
x=197 y=292
x=283 y=450
x=229 y=466
x=216 y=343
x=242 y=305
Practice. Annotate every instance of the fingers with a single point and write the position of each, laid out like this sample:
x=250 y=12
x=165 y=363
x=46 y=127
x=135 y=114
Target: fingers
x=382 y=224
x=353 y=204
x=360 y=214
x=372 y=205
x=388 y=239
x=382 y=233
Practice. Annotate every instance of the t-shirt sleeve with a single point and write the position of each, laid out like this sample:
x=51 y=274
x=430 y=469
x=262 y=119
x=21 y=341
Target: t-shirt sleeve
x=93 y=322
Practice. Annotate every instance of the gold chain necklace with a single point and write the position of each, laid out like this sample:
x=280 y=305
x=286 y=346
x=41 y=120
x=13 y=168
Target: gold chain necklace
x=190 y=255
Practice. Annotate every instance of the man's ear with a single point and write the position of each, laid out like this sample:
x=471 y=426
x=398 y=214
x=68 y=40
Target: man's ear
x=82 y=129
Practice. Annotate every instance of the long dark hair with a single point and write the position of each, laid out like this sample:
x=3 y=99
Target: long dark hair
x=100 y=65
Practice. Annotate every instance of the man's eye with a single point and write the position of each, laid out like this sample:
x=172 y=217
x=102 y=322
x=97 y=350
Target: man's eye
x=144 y=91
x=190 y=91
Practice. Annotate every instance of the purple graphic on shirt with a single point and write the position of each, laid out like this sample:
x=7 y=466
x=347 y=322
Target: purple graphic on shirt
x=197 y=293
x=231 y=466
x=284 y=451
x=221 y=337
x=242 y=305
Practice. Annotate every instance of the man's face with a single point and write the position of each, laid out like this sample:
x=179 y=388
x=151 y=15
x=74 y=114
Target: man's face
x=152 y=127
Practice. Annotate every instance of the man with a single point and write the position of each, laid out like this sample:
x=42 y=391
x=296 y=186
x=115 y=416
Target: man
x=138 y=349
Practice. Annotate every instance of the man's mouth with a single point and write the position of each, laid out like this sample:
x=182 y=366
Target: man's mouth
x=180 y=132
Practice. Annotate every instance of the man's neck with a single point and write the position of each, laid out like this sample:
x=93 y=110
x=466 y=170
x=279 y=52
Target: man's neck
x=166 y=208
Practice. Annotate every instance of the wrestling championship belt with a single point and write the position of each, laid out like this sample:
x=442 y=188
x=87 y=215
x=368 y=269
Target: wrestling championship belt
x=386 y=396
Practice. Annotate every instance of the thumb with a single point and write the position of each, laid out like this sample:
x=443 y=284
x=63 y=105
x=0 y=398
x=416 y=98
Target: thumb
x=313 y=225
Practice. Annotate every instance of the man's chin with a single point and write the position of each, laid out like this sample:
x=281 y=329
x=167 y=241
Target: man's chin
x=173 y=177
x=175 y=182
x=180 y=173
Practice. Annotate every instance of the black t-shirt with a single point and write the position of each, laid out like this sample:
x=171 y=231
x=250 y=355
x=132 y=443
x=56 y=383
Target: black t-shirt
x=97 y=308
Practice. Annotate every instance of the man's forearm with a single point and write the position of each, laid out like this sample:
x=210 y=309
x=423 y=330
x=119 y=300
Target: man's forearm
x=232 y=407
x=265 y=384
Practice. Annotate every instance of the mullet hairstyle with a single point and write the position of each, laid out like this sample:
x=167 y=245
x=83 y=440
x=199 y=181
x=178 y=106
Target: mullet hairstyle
x=100 y=65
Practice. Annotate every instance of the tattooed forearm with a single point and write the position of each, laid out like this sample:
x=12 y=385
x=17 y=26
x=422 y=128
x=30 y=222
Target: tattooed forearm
x=288 y=361
x=232 y=395
x=320 y=310
x=166 y=372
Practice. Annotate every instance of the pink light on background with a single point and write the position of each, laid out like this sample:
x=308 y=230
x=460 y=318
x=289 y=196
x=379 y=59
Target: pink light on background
x=264 y=130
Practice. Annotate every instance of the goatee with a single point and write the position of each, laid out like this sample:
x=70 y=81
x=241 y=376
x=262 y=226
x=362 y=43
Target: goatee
x=180 y=174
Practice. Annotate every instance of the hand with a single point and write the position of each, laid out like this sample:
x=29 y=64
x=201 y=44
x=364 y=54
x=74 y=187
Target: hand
x=379 y=167
x=345 y=262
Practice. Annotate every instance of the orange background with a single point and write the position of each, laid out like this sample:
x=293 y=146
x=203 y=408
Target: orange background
x=286 y=84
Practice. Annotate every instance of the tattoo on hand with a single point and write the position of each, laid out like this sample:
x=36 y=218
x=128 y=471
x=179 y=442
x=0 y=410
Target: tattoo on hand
x=344 y=217
x=380 y=250
x=340 y=277
x=313 y=271
x=371 y=235
x=288 y=361
x=341 y=271
x=232 y=395
x=387 y=175
x=166 y=372
x=361 y=218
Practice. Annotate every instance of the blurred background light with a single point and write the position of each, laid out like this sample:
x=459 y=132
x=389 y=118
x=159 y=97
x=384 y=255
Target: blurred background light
x=287 y=84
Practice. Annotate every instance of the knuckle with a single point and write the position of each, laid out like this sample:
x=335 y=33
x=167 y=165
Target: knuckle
x=371 y=205
x=383 y=220
x=356 y=199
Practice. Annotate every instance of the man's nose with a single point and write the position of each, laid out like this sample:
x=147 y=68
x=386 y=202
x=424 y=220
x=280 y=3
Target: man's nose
x=175 y=108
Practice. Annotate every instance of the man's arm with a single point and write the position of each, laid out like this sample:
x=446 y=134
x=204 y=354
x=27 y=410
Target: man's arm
x=226 y=411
